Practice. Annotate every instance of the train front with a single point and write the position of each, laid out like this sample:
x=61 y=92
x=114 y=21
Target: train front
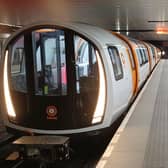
x=53 y=82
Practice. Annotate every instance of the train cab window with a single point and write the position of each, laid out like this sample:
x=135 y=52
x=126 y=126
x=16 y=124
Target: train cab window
x=116 y=62
x=50 y=67
x=18 y=72
x=86 y=64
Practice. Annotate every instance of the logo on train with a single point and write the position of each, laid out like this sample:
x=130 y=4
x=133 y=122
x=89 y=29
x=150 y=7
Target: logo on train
x=51 y=112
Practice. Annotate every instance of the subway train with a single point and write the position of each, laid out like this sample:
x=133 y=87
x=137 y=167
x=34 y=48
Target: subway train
x=70 y=78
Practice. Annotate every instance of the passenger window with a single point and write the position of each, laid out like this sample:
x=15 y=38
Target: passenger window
x=146 y=54
x=18 y=72
x=139 y=57
x=142 y=56
x=153 y=51
x=116 y=62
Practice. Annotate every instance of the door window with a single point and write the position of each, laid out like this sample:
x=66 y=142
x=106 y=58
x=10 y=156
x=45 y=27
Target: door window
x=51 y=75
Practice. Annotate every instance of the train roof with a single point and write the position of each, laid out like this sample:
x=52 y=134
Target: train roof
x=104 y=37
x=96 y=34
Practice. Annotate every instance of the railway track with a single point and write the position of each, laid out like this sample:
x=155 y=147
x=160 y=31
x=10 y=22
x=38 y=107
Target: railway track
x=84 y=153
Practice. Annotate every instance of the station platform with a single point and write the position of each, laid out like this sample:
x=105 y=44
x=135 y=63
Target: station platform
x=142 y=139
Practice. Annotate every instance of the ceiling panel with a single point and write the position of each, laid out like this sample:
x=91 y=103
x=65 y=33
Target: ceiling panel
x=118 y=15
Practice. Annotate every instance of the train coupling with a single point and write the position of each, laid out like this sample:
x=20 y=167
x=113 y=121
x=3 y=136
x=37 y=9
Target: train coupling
x=46 y=148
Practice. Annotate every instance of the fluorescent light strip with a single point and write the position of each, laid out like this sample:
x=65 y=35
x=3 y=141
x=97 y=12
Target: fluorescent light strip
x=161 y=32
x=10 y=25
x=8 y=101
x=99 y=111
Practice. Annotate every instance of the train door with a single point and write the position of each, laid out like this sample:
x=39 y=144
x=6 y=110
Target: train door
x=54 y=87
x=133 y=62
x=121 y=75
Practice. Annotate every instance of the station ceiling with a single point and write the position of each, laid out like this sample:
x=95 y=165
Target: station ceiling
x=138 y=18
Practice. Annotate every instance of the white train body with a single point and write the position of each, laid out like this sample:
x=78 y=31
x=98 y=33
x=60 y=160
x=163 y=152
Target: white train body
x=117 y=86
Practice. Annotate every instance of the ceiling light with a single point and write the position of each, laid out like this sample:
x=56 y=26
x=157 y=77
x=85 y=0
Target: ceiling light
x=162 y=30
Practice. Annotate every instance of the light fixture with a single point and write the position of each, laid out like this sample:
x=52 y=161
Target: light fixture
x=100 y=107
x=5 y=35
x=8 y=100
x=162 y=30
x=163 y=52
x=45 y=30
x=159 y=53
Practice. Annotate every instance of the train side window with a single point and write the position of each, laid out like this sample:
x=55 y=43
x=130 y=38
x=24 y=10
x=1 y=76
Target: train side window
x=18 y=67
x=153 y=51
x=142 y=56
x=116 y=62
x=139 y=57
x=146 y=54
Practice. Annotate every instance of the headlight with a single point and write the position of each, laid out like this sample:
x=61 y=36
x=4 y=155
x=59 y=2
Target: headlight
x=163 y=52
x=100 y=107
x=8 y=100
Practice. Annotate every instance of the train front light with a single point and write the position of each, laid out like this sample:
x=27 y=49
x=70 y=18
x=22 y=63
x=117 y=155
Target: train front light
x=8 y=100
x=100 y=107
x=163 y=52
